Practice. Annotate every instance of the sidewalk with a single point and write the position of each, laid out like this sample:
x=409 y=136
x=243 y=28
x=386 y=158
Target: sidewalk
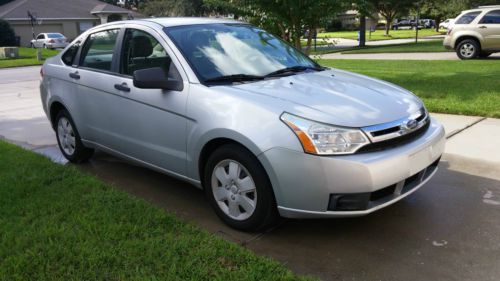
x=400 y=56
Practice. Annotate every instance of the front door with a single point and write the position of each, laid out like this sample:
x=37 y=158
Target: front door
x=489 y=27
x=148 y=124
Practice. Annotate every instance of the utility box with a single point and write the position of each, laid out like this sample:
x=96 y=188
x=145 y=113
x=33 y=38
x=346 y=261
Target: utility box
x=9 y=52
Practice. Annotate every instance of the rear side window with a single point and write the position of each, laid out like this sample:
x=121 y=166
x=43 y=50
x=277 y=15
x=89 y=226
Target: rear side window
x=41 y=36
x=468 y=18
x=98 y=50
x=492 y=17
x=69 y=56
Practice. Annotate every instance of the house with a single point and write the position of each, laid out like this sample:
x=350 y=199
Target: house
x=69 y=17
x=350 y=20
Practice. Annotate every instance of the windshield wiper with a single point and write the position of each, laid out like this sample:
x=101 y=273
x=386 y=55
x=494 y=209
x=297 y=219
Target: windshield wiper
x=234 y=78
x=293 y=69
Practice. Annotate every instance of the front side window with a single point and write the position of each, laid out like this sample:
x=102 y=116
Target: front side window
x=141 y=51
x=467 y=18
x=97 y=53
x=218 y=50
x=492 y=17
x=69 y=56
x=41 y=36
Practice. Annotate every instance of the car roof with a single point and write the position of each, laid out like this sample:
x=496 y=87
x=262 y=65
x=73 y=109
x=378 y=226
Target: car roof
x=174 y=21
x=483 y=8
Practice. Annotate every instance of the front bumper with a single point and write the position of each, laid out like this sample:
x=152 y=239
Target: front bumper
x=305 y=185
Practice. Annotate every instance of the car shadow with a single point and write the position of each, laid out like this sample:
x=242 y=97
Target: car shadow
x=443 y=231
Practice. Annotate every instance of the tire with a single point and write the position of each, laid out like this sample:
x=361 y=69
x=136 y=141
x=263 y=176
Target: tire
x=45 y=46
x=240 y=182
x=31 y=45
x=468 y=49
x=69 y=140
x=484 y=55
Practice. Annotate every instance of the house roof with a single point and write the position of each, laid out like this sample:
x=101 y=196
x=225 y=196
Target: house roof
x=107 y=8
x=60 y=9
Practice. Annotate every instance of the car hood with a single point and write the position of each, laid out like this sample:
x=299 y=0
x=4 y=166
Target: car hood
x=339 y=97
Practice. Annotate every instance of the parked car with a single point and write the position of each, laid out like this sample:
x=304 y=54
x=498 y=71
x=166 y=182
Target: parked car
x=446 y=24
x=234 y=110
x=427 y=23
x=49 y=41
x=476 y=33
x=407 y=24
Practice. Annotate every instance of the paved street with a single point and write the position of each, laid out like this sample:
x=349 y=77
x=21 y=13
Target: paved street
x=448 y=230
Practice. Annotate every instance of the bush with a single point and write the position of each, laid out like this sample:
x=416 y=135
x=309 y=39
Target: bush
x=334 y=25
x=7 y=35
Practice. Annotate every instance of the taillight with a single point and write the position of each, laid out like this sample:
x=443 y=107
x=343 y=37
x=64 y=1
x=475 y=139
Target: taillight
x=52 y=41
x=41 y=72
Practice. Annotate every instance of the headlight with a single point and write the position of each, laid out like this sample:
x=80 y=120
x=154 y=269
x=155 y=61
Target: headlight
x=323 y=139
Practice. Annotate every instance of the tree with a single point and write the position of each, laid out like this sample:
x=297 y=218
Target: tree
x=7 y=35
x=390 y=10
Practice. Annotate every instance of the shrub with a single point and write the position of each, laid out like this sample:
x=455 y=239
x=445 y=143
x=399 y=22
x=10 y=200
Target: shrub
x=7 y=35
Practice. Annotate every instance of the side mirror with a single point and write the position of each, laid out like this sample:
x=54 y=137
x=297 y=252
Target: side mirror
x=156 y=78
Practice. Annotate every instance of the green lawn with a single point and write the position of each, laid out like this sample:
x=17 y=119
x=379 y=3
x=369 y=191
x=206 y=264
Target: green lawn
x=457 y=87
x=57 y=223
x=380 y=34
x=425 y=47
x=27 y=56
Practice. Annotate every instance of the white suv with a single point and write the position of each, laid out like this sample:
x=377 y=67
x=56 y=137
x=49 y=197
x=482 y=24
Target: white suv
x=475 y=33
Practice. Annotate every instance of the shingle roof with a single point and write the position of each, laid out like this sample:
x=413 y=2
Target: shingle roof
x=106 y=8
x=59 y=9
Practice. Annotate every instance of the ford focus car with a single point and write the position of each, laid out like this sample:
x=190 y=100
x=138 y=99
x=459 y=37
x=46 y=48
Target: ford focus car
x=264 y=130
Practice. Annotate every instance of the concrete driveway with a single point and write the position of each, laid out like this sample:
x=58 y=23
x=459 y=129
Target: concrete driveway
x=448 y=230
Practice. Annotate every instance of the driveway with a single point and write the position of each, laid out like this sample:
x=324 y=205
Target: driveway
x=448 y=230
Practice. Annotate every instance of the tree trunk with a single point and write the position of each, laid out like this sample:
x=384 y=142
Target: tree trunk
x=362 y=31
x=387 y=26
x=310 y=36
x=438 y=21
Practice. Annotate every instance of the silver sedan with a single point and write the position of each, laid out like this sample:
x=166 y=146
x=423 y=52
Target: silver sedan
x=234 y=110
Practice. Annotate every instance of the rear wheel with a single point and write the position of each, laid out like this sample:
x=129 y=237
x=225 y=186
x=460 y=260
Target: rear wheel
x=69 y=140
x=238 y=189
x=468 y=49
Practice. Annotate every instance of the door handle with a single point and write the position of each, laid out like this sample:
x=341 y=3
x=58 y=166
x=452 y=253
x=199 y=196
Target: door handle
x=122 y=87
x=483 y=27
x=74 y=75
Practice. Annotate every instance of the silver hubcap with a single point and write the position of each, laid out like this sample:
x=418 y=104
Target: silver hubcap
x=234 y=190
x=66 y=136
x=467 y=50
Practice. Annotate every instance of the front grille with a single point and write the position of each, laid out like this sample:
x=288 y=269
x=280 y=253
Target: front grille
x=396 y=133
x=395 y=142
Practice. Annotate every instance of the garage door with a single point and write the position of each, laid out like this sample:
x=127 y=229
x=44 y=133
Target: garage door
x=24 y=30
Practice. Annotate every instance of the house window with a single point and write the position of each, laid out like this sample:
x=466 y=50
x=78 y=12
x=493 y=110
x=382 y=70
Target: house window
x=84 y=26
x=114 y=17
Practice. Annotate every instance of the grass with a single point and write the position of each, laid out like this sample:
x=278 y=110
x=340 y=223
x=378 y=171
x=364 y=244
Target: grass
x=420 y=47
x=27 y=56
x=380 y=34
x=57 y=223
x=455 y=87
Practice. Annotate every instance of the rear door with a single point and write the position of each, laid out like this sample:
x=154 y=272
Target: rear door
x=96 y=74
x=489 y=26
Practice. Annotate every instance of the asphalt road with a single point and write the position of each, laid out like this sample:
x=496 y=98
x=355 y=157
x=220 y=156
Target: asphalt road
x=448 y=230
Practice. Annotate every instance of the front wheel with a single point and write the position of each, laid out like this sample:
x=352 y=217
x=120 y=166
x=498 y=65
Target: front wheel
x=468 y=49
x=239 y=189
x=69 y=140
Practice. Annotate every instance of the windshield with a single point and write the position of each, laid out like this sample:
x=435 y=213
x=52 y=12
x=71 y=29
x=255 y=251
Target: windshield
x=217 y=50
